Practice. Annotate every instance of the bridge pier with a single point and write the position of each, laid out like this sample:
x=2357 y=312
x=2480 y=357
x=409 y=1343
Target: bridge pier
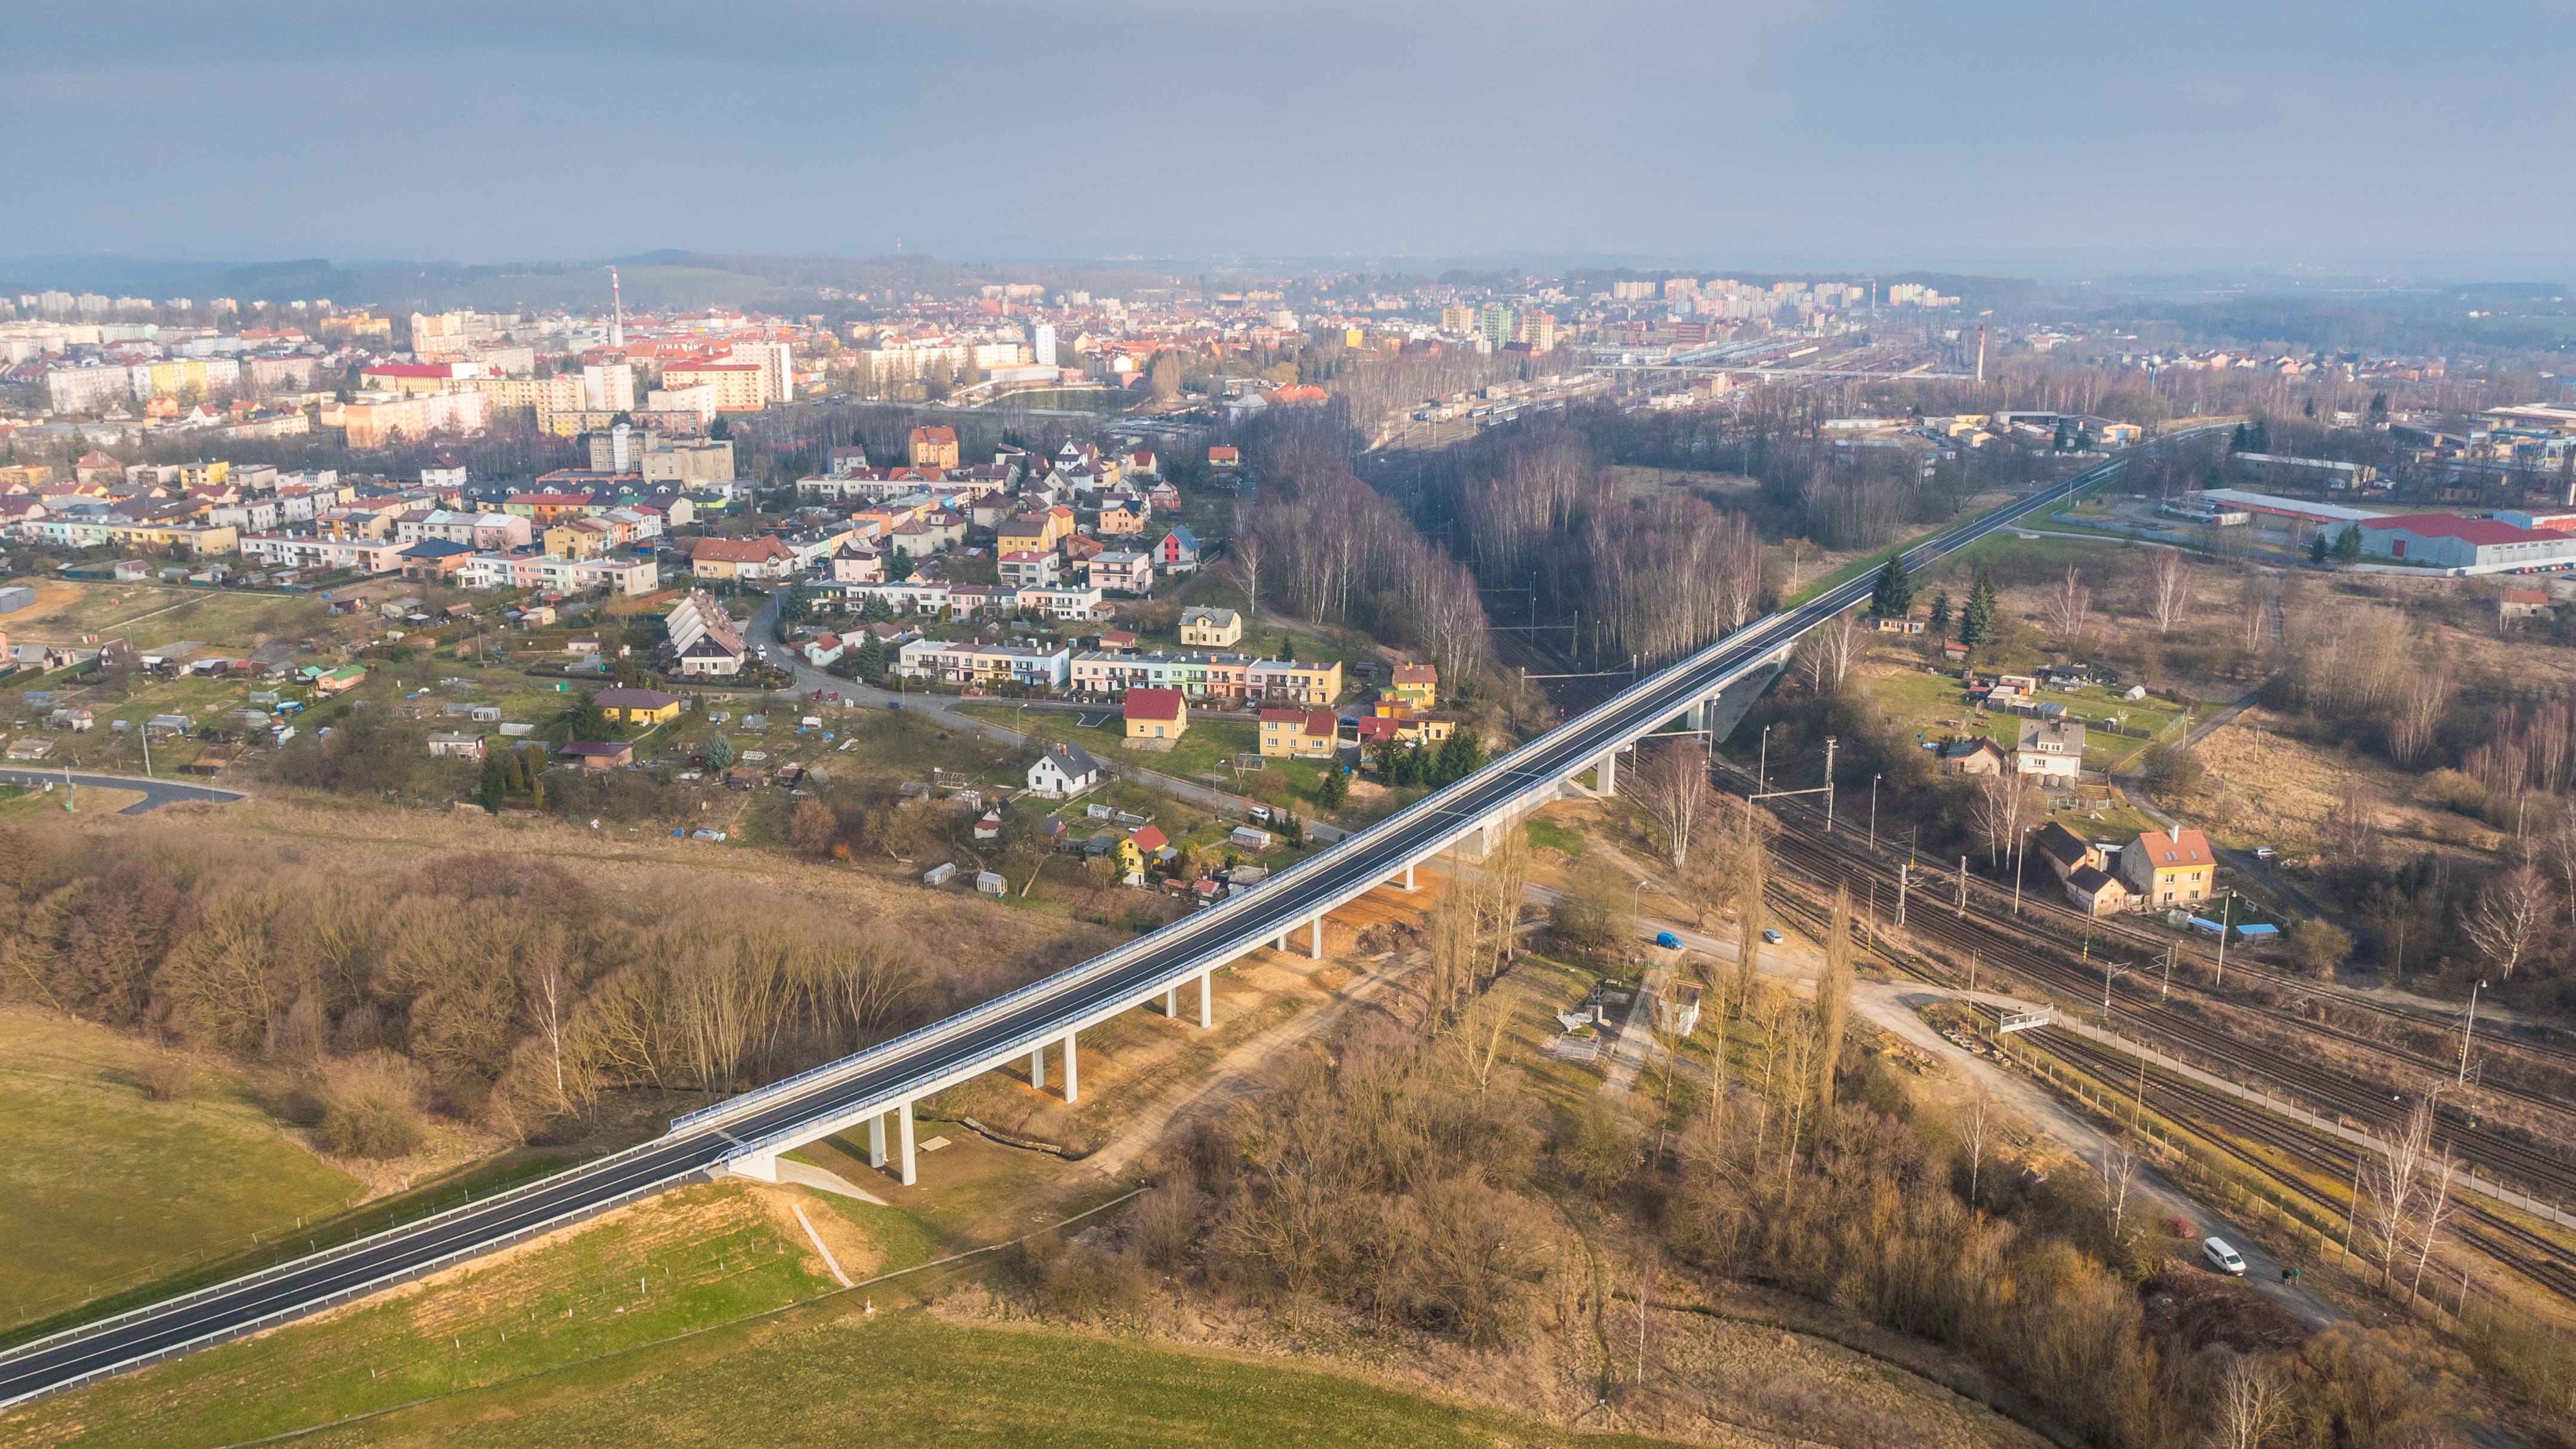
x=876 y=1141
x=1207 y=1000
x=1037 y=1068
x=1172 y=1001
x=1605 y=774
x=903 y=1127
x=1315 y=937
x=1070 y=1086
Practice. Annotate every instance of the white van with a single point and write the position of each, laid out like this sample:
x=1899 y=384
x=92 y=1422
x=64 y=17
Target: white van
x=2222 y=1257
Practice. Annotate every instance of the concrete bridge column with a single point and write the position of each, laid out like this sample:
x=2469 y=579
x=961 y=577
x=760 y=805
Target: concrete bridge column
x=1315 y=937
x=1037 y=1068
x=1281 y=945
x=1605 y=774
x=1070 y=1085
x=1172 y=1001
x=1207 y=1000
x=903 y=1131
x=1408 y=877
x=876 y=1141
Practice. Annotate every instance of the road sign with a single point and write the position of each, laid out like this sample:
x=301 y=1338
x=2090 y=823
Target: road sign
x=2024 y=1020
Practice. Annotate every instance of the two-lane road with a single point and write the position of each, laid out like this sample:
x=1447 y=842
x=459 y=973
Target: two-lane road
x=887 y=1075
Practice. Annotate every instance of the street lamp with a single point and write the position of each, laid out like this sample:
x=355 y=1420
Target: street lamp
x=1873 y=812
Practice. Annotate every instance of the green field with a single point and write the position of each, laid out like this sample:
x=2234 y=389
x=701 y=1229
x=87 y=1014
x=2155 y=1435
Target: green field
x=912 y=1380
x=100 y=1187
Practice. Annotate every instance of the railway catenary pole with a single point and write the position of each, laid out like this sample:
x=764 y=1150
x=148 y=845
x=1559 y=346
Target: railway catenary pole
x=1829 y=784
x=2467 y=1028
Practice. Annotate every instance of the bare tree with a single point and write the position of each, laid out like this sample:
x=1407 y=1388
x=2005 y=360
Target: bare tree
x=2168 y=589
x=1244 y=555
x=2004 y=803
x=2070 y=607
x=1830 y=651
x=1977 y=1106
x=2425 y=698
x=2119 y=1171
x=2252 y=1408
x=1833 y=998
x=2437 y=1211
x=2512 y=917
x=2391 y=1185
x=1672 y=788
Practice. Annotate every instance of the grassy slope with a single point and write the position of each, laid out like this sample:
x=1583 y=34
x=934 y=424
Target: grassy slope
x=98 y=1185
x=908 y=1379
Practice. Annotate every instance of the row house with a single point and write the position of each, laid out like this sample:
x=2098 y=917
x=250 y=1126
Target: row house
x=986 y=665
x=1217 y=678
x=477 y=530
x=310 y=551
x=1065 y=602
x=1294 y=681
x=743 y=558
x=257 y=515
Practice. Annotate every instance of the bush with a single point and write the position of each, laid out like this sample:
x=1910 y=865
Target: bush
x=167 y=1079
x=1087 y=1284
x=1164 y=1221
x=2320 y=944
x=2451 y=790
x=371 y=1107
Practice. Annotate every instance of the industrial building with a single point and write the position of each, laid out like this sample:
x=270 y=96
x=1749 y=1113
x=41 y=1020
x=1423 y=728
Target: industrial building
x=2485 y=545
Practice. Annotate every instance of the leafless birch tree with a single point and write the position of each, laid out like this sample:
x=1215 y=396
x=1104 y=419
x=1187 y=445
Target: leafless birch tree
x=2168 y=589
x=1672 y=788
x=2512 y=917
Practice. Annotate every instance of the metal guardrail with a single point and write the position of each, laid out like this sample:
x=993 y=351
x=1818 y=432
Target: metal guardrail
x=355 y=1290
x=1831 y=601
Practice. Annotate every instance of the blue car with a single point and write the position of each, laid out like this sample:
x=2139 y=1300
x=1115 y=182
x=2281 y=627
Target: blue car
x=1667 y=939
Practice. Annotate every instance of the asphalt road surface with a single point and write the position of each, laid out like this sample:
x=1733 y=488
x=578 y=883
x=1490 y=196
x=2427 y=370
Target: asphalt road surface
x=156 y=793
x=886 y=1075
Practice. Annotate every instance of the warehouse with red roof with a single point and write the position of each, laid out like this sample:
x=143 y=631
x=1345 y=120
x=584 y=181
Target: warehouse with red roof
x=2484 y=545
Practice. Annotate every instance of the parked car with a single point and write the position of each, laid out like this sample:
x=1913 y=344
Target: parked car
x=1667 y=940
x=1774 y=937
x=2222 y=1257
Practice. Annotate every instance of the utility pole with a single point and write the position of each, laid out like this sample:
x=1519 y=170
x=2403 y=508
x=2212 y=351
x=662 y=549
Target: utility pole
x=2172 y=949
x=1762 y=771
x=1829 y=784
x=1873 y=812
x=1903 y=870
x=2021 y=853
x=2226 y=908
x=1963 y=887
x=2467 y=1028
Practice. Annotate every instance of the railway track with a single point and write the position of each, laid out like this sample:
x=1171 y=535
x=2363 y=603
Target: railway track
x=2538 y=1259
x=2041 y=904
x=2540 y=1172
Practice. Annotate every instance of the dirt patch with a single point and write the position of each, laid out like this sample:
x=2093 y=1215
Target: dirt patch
x=857 y=1253
x=2196 y=1310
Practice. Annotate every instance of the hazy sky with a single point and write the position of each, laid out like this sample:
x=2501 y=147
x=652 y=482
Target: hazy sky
x=2046 y=137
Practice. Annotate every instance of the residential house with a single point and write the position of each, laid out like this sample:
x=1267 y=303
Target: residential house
x=639 y=706
x=2067 y=852
x=1062 y=601
x=1064 y=770
x=2524 y=604
x=435 y=559
x=1416 y=686
x=340 y=680
x=934 y=447
x=1225 y=459
x=1030 y=568
x=1305 y=734
x=1156 y=714
x=1980 y=756
x=1027 y=533
x=1125 y=570
x=1177 y=552
x=2170 y=867
x=2052 y=749
x=1136 y=851
x=1205 y=628
x=2095 y=891
x=741 y=558
x=858 y=562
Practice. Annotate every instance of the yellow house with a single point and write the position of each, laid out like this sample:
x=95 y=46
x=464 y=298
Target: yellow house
x=1030 y=532
x=576 y=540
x=1156 y=714
x=1299 y=733
x=1211 y=628
x=1137 y=849
x=638 y=706
x=1417 y=686
x=2170 y=867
